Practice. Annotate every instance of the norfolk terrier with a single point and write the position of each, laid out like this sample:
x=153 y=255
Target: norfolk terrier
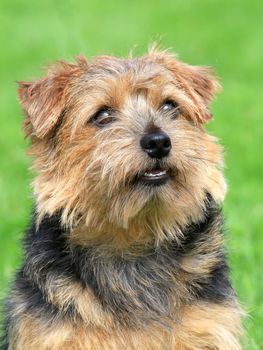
x=125 y=249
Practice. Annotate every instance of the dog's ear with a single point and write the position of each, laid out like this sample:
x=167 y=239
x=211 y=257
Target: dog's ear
x=44 y=100
x=200 y=83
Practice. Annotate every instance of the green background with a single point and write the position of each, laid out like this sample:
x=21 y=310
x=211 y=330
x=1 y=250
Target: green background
x=225 y=34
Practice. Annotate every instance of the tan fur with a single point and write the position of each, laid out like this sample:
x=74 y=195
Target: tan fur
x=200 y=327
x=64 y=291
x=211 y=327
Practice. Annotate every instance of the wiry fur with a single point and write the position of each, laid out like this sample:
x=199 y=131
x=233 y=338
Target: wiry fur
x=111 y=263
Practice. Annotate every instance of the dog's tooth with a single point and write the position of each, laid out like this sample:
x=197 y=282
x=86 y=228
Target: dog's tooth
x=160 y=173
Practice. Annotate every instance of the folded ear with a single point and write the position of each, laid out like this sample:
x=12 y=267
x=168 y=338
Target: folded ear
x=44 y=100
x=200 y=83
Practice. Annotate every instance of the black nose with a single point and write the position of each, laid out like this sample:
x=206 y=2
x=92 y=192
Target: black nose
x=156 y=144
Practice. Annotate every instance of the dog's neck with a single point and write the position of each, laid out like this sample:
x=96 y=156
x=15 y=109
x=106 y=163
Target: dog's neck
x=150 y=229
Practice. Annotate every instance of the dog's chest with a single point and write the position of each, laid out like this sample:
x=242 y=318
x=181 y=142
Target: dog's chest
x=90 y=338
x=136 y=291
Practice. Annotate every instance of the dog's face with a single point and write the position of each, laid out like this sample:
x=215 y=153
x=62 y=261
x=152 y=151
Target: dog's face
x=120 y=143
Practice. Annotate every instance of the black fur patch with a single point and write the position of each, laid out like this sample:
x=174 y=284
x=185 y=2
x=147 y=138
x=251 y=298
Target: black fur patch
x=135 y=290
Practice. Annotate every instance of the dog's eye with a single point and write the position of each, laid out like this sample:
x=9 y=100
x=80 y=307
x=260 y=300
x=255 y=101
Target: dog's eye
x=103 y=117
x=170 y=107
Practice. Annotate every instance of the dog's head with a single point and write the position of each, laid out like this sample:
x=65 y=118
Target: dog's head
x=120 y=143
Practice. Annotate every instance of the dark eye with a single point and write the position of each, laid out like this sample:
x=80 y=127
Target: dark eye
x=170 y=107
x=103 y=117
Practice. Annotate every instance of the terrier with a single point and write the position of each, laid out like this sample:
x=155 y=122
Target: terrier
x=125 y=249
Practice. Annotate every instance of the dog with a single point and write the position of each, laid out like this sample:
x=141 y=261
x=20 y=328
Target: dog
x=126 y=247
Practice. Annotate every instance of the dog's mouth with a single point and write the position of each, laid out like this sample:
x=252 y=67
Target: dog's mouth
x=154 y=177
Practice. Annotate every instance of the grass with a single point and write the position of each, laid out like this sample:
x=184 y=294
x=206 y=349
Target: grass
x=225 y=34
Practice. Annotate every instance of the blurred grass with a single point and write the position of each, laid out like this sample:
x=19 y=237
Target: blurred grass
x=225 y=34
